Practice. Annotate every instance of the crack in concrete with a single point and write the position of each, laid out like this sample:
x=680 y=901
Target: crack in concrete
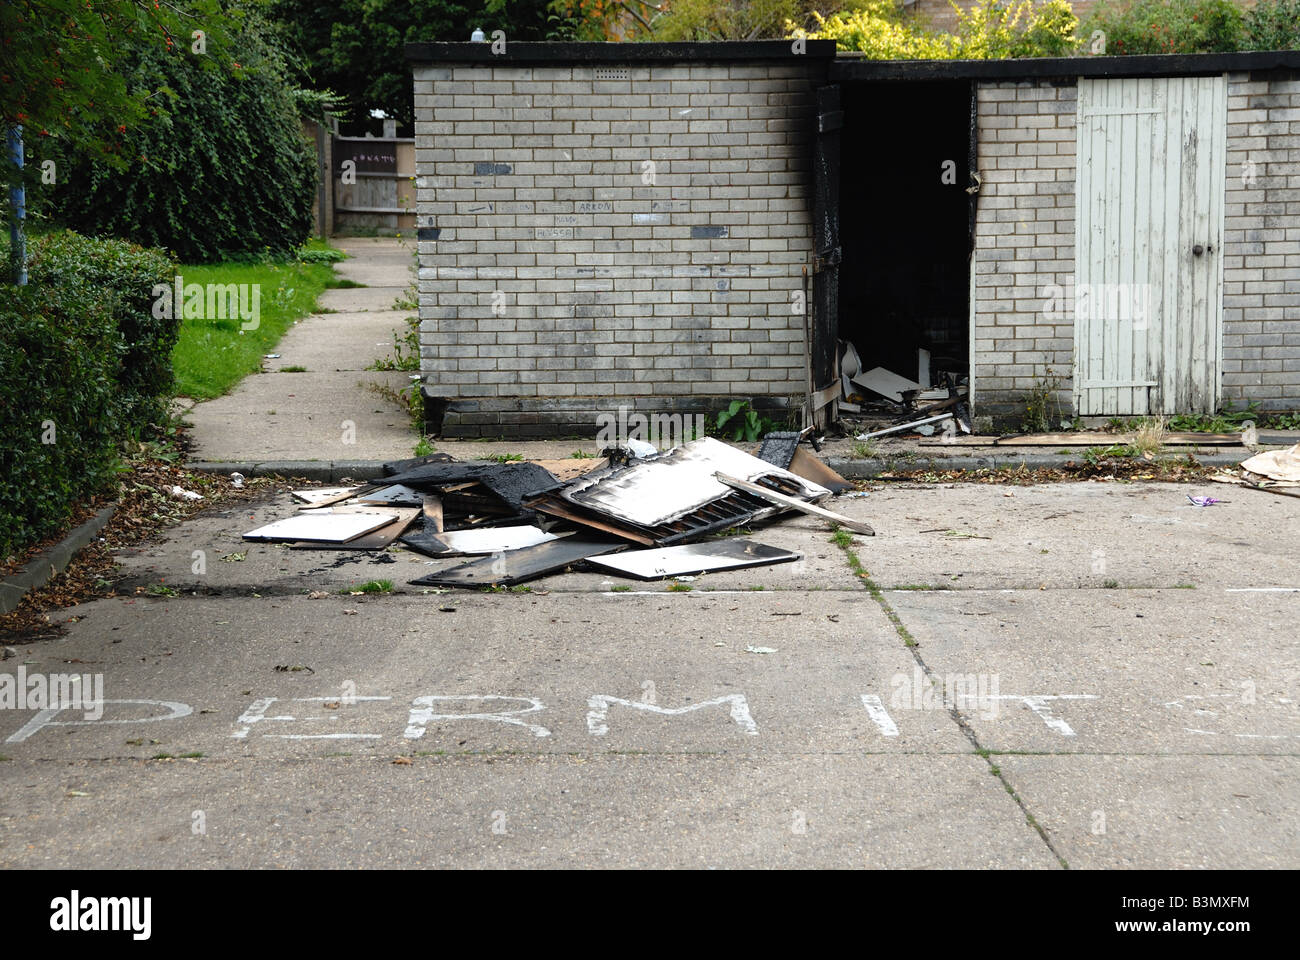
x=967 y=731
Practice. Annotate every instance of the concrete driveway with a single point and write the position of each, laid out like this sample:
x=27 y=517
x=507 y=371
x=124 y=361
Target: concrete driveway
x=1082 y=675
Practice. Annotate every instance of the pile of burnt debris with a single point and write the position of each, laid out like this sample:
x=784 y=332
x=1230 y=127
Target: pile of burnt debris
x=634 y=511
x=935 y=402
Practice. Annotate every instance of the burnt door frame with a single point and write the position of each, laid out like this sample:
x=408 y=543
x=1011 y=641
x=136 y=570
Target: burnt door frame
x=823 y=347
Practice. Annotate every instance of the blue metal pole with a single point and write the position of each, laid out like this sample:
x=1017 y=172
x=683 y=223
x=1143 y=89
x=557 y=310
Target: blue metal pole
x=18 y=205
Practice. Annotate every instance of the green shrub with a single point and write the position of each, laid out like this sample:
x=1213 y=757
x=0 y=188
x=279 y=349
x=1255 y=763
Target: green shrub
x=1168 y=26
x=225 y=172
x=1273 y=25
x=71 y=263
x=60 y=352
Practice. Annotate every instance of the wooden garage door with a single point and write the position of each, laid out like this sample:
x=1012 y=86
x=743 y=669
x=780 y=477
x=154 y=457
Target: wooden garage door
x=1149 y=228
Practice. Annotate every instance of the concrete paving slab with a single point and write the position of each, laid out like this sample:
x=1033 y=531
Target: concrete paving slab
x=362 y=299
x=1186 y=743
x=1165 y=813
x=338 y=341
x=1154 y=671
x=510 y=811
x=305 y=416
x=1077 y=535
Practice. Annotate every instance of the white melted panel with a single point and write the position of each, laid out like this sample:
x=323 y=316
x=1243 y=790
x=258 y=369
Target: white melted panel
x=660 y=490
x=493 y=539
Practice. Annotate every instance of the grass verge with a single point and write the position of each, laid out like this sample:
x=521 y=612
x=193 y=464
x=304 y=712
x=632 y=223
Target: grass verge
x=211 y=356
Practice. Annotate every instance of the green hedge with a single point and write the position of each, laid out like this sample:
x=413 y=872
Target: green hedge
x=83 y=366
x=68 y=260
x=59 y=356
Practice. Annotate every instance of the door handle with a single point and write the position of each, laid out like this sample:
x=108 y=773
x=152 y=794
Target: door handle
x=1197 y=250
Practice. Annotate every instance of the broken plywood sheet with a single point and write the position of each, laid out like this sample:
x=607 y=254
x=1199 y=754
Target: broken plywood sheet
x=804 y=464
x=694 y=558
x=324 y=525
x=656 y=491
x=324 y=496
x=517 y=566
x=571 y=468
x=375 y=540
x=886 y=383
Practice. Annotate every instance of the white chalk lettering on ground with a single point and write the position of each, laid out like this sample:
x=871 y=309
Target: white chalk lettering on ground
x=45 y=718
x=879 y=715
x=1040 y=704
x=598 y=707
x=256 y=713
x=510 y=711
x=1198 y=705
x=422 y=713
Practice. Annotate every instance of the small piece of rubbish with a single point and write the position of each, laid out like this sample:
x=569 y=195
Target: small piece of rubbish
x=271 y=356
x=752 y=649
x=182 y=494
x=237 y=481
x=1205 y=501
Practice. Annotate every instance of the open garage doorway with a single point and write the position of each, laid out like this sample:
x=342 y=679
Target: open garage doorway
x=905 y=226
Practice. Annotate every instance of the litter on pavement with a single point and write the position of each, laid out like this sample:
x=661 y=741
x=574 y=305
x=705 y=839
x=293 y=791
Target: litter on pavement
x=636 y=510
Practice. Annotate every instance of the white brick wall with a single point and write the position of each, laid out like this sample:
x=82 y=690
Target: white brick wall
x=1024 y=241
x=607 y=285
x=1261 y=265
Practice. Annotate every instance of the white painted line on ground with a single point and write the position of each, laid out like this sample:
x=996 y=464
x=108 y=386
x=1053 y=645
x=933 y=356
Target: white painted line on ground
x=879 y=715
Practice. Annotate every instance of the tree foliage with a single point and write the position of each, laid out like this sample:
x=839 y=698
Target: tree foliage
x=65 y=65
x=989 y=30
x=219 y=168
x=357 y=47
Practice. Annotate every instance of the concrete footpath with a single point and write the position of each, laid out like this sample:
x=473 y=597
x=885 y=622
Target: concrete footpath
x=326 y=413
x=1123 y=667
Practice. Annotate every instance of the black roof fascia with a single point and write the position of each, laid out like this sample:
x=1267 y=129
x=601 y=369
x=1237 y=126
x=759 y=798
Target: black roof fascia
x=1162 y=65
x=627 y=52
